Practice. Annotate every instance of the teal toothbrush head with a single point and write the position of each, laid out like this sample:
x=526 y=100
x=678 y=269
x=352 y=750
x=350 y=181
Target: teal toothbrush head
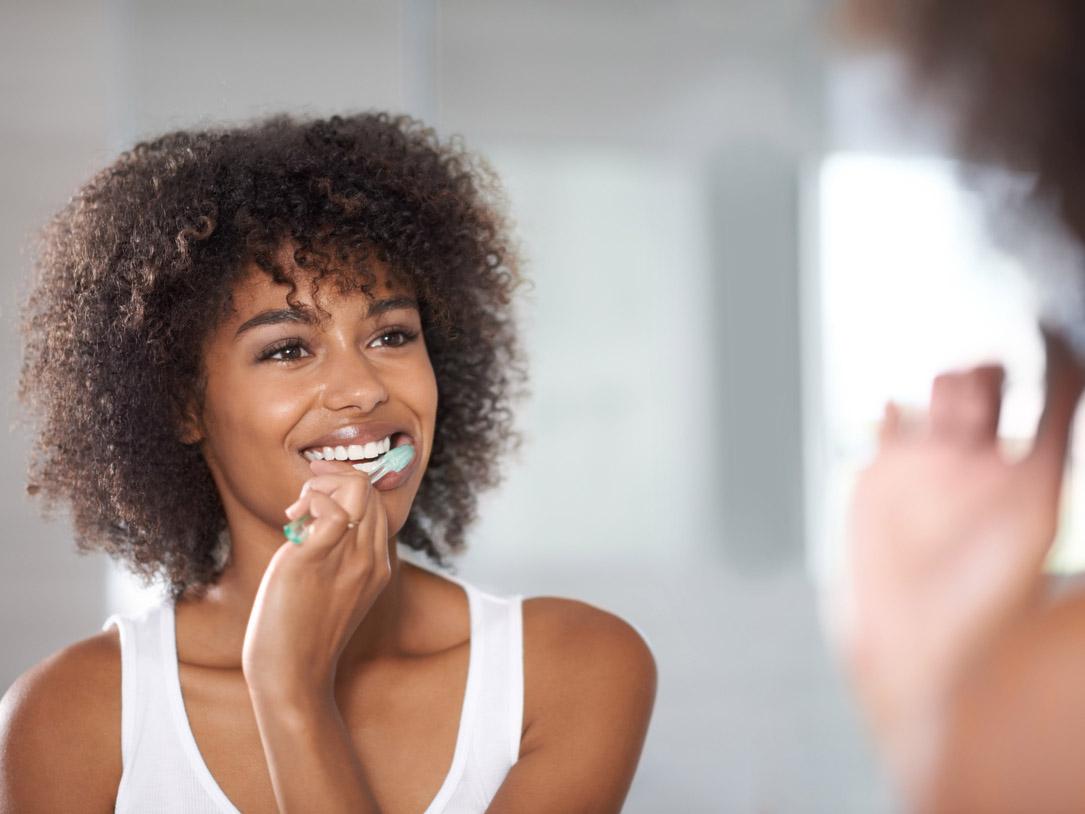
x=395 y=460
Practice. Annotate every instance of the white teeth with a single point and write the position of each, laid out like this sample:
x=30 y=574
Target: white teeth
x=369 y=467
x=353 y=452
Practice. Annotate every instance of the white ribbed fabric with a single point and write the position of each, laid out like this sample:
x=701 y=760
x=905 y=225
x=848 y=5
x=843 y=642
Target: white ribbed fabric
x=165 y=773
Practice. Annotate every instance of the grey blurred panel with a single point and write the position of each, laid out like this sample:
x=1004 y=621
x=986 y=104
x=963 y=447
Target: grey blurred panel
x=755 y=218
x=644 y=75
x=42 y=614
x=208 y=62
x=419 y=59
x=53 y=73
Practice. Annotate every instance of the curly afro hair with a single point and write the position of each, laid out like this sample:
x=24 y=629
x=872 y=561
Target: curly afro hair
x=138 y=268
x=1012 y=75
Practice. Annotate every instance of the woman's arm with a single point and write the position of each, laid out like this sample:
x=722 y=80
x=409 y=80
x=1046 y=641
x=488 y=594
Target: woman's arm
x=311 y=599
x=60 y=732
x=590 y=684
x=310 y=756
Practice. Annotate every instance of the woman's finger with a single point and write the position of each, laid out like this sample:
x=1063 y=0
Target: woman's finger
x=329 y=522
x=966 y=405
x=350 y=489
x=1064 y=381
x=901 y=425
x=889 y=431
x=336 y=484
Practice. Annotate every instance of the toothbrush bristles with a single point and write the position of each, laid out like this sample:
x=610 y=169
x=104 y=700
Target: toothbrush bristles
x=395 y=460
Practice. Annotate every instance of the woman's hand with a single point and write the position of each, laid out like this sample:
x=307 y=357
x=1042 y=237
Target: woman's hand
x=947 y=542
x=314 y=595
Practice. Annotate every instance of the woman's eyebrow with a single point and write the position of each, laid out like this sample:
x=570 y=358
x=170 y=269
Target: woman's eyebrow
x=380 y=306
x=278 y=315
x=275 y=317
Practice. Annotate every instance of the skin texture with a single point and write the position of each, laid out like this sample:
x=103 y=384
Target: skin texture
x=303 y=667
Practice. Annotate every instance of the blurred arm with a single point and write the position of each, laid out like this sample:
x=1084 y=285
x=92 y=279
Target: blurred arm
x=1014 y=736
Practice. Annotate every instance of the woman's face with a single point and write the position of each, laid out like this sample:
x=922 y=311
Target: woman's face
x=286 y=384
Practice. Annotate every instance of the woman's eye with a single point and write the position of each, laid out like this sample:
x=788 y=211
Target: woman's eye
x=393 y=339
x=285 y=352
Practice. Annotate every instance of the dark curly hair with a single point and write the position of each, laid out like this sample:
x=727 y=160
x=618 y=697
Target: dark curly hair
x=137 y=269
x=1012 y=74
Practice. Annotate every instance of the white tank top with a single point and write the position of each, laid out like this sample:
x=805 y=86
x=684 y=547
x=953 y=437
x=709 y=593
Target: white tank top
x=165 y=773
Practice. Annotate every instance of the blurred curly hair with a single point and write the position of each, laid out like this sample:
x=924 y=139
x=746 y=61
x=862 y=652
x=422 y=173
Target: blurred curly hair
x=1010 y=72
x=138 y=268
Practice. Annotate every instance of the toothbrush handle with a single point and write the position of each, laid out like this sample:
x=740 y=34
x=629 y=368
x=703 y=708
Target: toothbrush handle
x=295 y=529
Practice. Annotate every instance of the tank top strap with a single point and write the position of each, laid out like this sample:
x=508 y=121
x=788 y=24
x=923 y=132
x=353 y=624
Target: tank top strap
x=139 y=670
x=493 y=711
x=501 y=629
x=157 y=772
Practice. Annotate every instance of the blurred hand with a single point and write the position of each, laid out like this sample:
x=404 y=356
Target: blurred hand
x=947 y=542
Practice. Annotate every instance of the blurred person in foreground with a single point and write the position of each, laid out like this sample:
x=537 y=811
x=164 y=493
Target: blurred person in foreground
x=971 y=670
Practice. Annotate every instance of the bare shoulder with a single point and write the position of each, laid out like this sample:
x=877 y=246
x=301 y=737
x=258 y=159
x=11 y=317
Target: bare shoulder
x=566 y=630
x=589 y=689
x=60 y=731
x=584 y=666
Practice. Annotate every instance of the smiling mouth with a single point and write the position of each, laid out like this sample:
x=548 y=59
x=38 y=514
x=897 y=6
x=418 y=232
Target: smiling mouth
x=365 y=458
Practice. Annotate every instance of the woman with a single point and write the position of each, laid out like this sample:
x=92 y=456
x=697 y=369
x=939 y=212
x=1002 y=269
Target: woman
x=231 y=330
x=969 y=667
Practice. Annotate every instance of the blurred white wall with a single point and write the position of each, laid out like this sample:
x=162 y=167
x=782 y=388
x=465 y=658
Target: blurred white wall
x=654 y=156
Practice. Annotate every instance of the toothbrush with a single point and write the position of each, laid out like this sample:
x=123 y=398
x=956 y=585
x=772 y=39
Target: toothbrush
x=394 y=460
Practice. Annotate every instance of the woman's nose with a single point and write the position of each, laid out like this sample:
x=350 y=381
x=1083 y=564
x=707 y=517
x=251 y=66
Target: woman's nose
x=353 y=381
